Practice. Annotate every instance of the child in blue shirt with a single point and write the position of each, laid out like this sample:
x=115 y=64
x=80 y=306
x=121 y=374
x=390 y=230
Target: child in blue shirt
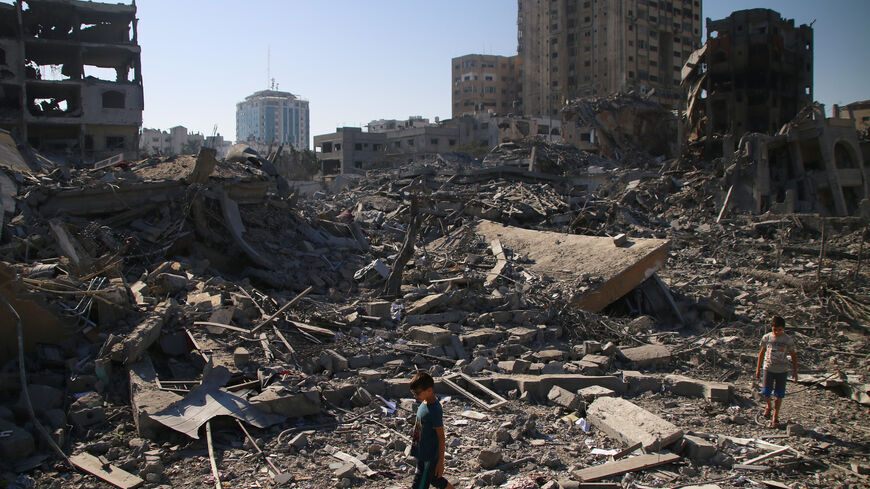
x=428 y=441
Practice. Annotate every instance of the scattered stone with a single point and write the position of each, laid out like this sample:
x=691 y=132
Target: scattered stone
x=489 y=458
x=794 y=429
x=490 y=478
x=565 y=398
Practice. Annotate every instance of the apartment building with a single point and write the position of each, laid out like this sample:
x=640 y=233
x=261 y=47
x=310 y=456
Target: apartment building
x=70 y=77
x=348 y=150
x=577 y=48
x=176 y=141
x=484 y=83
x=270 y=117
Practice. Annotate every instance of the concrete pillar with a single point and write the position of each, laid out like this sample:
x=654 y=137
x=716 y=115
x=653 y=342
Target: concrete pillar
x=826 y=147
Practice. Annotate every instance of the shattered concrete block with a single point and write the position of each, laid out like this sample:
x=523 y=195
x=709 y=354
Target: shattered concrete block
x=514 y=366
x=332 y=360
x=146 y=399
x=630 y=424
x=476 y=365
x=361 y=398
x=489 y=458
x=564 y=398
x=458 y=350
x=42 y=398
x=689 y=387
x=599 y=360
x=359 y=361
x=591 y=347
x=550 y=355
x=482 y=336
x=168 y=284
x=241 y=356
x=643 y=324
x=379 y=309
x=278 y=400
x=432 y=335
x=346 y=470
x=87 y=411
x=647 y=355
x=131 y=349
x=204 y=301
x=18 y=445
x=609 y=349
x=523 y=336
x=553 y=367
x=638 y=382
x=427 y=303
x=299 y=441
x=593 y=392
x=699 y=448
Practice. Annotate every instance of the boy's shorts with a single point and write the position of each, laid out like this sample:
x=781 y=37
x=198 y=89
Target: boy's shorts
x=425 y=476
x=774 y=383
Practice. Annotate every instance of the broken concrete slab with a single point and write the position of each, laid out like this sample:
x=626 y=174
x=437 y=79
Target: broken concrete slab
x=625 y=421
x=689 y=387
x=593 y=392
x=282 y=401
x=617 y=270
x=647 y=355
x=540 y=385
x=425 y=304
x=135 y=344
x=147 y=399
x=618 y=467
x=698 y=448
x=432 y=335
x=565 y=398
x=638 y=382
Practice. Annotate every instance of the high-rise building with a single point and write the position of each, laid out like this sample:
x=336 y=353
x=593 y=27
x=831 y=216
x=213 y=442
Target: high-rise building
x=273 y=117
x=577 y=48
x=484 y=83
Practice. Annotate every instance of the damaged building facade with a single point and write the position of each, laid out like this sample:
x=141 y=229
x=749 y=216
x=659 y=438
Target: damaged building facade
x=71 y=80
x=485 y=83
x=759 y=75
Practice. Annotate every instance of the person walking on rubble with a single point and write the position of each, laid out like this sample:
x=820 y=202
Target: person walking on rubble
x=776 y=346
x=428 y=440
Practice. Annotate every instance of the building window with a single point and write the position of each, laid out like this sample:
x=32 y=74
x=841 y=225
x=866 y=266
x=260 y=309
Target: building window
x=114 y=142
x=113 y=99
x=488 y=78
x=451 y=142
x=434 y=141
x=410 y=142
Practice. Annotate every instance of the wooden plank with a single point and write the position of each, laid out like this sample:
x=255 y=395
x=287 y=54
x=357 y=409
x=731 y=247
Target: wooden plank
x=465 y=393
x=766 y=456
x=627 y=451
x=108 y=473
x=609 y=469
x=368 y=472
x=754 y=468
x=312 y=329
x=283 y=308
x=214 y=469
x=283 y=340
x=495 y=395
x=221 y=325
x=264 y=342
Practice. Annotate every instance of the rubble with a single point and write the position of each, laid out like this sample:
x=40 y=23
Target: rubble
x=566 y=313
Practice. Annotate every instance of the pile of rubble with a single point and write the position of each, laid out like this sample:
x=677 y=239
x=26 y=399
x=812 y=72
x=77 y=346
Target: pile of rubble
x=190 y=322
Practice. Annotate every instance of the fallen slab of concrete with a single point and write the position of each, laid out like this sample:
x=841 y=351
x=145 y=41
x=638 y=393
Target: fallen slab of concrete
x=689 y=387
x=147 y=399
x=615 y=270
x=630 y=424
x=143 y=336
x=610 y=469
x=647 y=355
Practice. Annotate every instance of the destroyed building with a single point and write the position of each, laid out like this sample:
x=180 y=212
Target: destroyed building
x=71 y=77
x=813 y=164
x=859 y=112
x=758 y=76
x=348 y=150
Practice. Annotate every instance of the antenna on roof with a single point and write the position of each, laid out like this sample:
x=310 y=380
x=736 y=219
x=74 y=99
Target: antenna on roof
x=268 y=64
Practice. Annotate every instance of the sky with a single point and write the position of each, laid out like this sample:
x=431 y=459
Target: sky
x=357 y=61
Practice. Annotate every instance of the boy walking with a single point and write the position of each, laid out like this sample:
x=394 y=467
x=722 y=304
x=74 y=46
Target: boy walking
x=776 y=346
x=427 y=443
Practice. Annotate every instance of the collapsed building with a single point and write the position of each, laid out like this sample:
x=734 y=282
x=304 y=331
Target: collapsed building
x=754 y=74
x=71 y=77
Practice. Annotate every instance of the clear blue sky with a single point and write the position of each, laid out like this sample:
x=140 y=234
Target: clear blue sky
x=356 y=61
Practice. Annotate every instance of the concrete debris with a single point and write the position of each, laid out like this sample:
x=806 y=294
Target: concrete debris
x=569 y=302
